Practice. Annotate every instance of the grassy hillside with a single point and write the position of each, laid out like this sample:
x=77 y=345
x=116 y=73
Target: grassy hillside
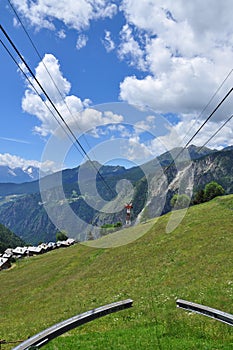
x=194 y=263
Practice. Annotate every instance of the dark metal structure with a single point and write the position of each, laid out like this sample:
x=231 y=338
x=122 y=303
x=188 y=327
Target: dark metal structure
x=42 y=338
x=206 y=311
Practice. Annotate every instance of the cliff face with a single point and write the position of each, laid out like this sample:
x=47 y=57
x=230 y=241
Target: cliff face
x=215 y=167
x=190 y=178
x=26 y=216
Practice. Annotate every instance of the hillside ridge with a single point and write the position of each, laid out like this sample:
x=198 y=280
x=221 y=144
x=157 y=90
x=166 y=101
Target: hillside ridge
x=193 y=263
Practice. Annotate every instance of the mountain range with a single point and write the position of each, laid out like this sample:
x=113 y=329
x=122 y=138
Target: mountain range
x=23 y=210
x=19 y=174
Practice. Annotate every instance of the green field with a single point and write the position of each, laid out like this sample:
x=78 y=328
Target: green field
x=194 y=262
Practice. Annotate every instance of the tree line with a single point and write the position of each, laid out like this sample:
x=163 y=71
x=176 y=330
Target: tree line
x=210 y=191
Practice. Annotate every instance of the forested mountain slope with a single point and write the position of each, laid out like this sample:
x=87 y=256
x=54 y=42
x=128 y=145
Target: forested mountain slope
x=25 y=214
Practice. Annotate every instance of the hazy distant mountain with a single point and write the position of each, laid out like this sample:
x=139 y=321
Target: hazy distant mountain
x=18 y=175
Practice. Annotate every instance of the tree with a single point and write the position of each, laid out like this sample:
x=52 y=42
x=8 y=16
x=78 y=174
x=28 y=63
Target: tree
x=212 y=190
x=118 y=224
x=199 y=197
x=180 y=201
x=61 y=236
x=8 y=239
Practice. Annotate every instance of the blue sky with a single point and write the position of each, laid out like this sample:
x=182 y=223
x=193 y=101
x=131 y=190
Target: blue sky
x=168 y=58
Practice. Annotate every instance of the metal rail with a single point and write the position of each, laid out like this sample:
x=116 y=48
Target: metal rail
x=206 y=311
x=48 y=334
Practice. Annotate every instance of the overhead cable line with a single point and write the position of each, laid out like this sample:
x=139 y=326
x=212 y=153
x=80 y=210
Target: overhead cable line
x=39 y=55
x=36 y=91
x=210 y=116
x=199 y=129
x=41 y=87
x=55 y=108
x=211 y=99
x=47 y=70
x=216 y=132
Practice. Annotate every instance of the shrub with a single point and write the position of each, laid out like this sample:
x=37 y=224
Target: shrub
x=199 y=197
x=212 y=190
x=180 y=201
x=61 y=236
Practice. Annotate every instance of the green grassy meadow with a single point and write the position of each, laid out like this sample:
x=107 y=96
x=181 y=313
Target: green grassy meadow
x=194 y=263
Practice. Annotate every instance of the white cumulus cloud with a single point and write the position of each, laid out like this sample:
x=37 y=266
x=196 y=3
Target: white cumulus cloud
x=130 y=49
x=74 y=14
x=61 y=34
x=188 y=53
x=57 y=92
x=73 y=110
x=90 y=119
x=14 y=161
x=81 y=41
x=108 y=42
x=184 y=49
